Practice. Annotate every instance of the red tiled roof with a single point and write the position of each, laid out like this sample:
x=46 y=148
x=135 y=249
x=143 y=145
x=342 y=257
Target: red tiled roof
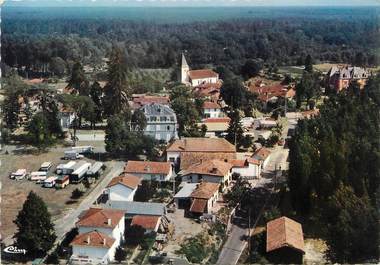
x=205 y=190
x=253 y=161
x=97 y=217
x=267 y=92
x=284 y=232
x=210 y=105
x=203 y=73
x=148 y=222
x=142 y=100
x=198 y=206
x=190 y=158
x=216 y=120
x=261 y=154
x=209 y=167
x=127 y=180
x=147 y=167
x=238 y=163
x=93 y=239
x=202 y=145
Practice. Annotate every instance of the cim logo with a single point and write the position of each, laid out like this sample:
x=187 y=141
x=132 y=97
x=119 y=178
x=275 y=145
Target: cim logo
x=14 y=250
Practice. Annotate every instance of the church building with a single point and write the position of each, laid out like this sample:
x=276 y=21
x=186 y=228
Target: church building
x=197 y=77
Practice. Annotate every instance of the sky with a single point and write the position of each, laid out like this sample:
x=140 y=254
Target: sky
x=191 y=2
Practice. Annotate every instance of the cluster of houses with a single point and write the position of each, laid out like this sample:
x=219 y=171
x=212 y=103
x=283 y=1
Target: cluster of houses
x=205 y=168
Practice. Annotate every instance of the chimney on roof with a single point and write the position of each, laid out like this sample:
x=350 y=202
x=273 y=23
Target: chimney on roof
x=109 y=221
x=88 y=240
x=214 y=170
x=147 y=168
x=104 y=241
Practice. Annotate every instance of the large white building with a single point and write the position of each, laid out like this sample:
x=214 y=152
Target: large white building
x=197 y=77
x=161 y=122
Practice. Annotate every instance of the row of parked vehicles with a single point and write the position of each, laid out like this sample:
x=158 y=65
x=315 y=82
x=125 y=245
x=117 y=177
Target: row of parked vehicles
x=66 y=173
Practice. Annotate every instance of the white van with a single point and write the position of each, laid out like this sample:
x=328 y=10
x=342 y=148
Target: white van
x=38 y=176
x=46 y=166
x=49 y=182
x=19 y=174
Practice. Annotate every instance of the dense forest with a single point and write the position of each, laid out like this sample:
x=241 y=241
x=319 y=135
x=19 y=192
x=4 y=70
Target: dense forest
x=52 y=45
x=334 y=173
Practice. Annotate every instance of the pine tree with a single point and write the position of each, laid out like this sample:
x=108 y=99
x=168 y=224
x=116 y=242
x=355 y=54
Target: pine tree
x=309 y=64
x=78 y=80
x=35 y=228
x=235 y=129
x=116 y=90
x=11 y=110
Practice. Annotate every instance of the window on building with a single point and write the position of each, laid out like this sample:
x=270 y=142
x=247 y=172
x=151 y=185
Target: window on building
x=163 y=118
x=168 y=128
x=153 y=118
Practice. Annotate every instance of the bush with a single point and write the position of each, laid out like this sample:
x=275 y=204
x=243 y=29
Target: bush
x=120 y=254
x=134 y=235
x=196 y=248
x=77 y=193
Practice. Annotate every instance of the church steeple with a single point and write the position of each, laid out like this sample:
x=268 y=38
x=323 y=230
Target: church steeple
x=184 y=70
x=184 y=62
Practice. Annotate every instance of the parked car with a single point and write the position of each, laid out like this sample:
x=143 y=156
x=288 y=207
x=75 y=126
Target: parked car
x=46 y=166
x=19 y=174
x=49 y=182
x=38 y=176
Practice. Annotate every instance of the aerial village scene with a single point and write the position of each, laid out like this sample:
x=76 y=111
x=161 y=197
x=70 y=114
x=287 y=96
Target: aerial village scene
x=128 y=137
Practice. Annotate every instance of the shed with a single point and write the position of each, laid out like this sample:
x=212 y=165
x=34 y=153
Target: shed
x=285 y=242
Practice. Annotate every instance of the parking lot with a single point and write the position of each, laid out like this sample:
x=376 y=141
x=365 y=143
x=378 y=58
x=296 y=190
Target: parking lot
x=14 y=193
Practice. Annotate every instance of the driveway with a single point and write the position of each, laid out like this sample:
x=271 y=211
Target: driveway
x=66 y=223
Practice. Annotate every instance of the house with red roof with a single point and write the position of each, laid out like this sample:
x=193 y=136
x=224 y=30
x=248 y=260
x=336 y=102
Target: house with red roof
x=107 y=221
x=204 y=198
x=93 y=247
x=148 y=170
x=263 y=155
x=285 y=242
x=150 y=223
x=211 y=110
x=249 y=168
x=123 y=187
x=214 y=171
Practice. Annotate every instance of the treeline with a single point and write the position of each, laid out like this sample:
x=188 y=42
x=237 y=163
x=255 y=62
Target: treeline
x=334 y=173
x=41 y=44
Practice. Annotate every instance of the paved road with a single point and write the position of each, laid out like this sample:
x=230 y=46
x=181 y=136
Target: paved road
x=65 y=224
x=235 y=245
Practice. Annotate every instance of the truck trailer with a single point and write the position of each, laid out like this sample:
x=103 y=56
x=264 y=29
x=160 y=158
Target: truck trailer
x=78 y=175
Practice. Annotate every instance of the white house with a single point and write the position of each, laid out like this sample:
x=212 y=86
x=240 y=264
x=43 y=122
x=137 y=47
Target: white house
x=107 y=221
x=204 y=198
x=123 y=187
x=211 y=110
x=214 y=171
x=93 y=247
x=263 y=155
x=150 y=223
x=161 y=122
x=197 y=77
x=148 y=170
x=249 y=168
